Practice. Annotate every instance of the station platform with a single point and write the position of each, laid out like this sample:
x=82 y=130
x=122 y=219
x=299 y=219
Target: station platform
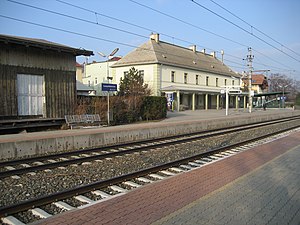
x=176 y=123
x=258 y=186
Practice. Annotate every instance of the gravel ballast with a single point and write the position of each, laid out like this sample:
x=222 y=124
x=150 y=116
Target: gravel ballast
x=44 y=183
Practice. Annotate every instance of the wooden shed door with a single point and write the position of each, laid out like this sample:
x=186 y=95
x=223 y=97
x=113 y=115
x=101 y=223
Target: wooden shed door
x=30 y=94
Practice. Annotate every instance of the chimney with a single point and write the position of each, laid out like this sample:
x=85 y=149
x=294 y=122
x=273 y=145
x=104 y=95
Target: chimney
x=222 y=53
x=203 y=51
x=155 y=37
x=213 y=54
x=193 y=47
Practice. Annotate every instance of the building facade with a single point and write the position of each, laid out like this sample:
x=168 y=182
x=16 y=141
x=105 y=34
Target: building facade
x=37 y=78
x=260 y=87
x=188 y=78
x=79 y=71
x=96 y=73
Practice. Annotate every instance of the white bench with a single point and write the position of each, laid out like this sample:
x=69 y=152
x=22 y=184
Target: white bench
x=83 y=120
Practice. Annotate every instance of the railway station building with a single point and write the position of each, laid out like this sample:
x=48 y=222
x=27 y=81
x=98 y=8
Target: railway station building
x=37 y=78
x=190 y=79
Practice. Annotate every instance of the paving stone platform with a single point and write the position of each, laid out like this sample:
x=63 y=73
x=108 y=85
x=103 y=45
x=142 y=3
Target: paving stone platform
x=257 y=186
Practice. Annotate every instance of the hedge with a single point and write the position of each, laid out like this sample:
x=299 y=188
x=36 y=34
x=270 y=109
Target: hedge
x=154 y=108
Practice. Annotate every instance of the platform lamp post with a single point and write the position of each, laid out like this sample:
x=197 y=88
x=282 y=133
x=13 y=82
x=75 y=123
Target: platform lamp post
x=108 y=78
x=283 y=100
x=229 y=90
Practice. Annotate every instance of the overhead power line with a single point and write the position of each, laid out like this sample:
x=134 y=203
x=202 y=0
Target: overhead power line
x=234 y=24
x=252 y=27
x=187 y=23
x=151 y=30
x=66 y=31
x=122 y=21
x=276 y=61
x=79 y=19
x=99 y=24
x=100 y=39
x=96 y=23
x=141 y=27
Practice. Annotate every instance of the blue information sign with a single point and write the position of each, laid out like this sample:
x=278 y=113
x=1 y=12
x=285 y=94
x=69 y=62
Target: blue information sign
x=109 y=87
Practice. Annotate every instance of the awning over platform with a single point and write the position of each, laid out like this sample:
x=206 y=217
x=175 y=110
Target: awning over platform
x=202 y=89
x=270 y=93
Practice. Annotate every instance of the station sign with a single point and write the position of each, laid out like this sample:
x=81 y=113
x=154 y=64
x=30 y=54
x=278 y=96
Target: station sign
x=235 y=92
x=109 y=87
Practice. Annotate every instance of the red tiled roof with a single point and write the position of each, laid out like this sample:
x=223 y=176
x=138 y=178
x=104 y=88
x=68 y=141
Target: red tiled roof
x=257 y=79
x=116 y=58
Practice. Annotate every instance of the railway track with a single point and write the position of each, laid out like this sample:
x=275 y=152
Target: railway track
x=33 y=164
x=130 y=181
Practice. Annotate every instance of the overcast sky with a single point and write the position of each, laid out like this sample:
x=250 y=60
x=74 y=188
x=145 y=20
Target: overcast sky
x=103 y=25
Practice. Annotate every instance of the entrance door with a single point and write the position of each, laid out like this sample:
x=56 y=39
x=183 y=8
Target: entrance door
x=30 y=94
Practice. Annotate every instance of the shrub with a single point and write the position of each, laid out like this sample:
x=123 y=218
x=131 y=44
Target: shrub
x=154 y=108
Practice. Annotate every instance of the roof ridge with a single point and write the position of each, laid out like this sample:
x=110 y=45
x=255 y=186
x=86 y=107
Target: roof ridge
x=154 y=51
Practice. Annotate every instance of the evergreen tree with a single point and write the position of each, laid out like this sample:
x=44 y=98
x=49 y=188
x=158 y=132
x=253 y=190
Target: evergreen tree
x=133 y=84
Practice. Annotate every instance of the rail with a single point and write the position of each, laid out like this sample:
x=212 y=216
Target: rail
x=25 y=205
x=134 y=147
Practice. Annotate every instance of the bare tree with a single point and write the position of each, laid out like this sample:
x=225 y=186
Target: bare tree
x=280 y=82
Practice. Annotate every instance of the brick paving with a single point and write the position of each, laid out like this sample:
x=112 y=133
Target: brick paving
x=224 y=192
x=269 y=195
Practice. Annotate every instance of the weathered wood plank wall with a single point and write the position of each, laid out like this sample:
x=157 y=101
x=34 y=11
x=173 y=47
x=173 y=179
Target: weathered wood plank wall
x=60 y=90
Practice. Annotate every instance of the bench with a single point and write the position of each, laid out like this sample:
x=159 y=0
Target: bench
x=83 y=120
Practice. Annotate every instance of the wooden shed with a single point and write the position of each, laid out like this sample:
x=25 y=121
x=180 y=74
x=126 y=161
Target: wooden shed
x=37 y=78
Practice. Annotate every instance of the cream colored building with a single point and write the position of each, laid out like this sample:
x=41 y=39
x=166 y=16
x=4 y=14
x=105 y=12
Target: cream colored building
x=96 y=73
x=191 y=79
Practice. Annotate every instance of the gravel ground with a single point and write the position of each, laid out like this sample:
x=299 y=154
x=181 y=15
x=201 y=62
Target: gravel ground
x=44 y=183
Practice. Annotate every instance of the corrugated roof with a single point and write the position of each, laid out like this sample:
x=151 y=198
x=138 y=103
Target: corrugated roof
x=44 y=44
x=169 y=54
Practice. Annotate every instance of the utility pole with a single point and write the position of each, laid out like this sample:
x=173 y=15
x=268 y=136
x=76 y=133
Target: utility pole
x=249 y=59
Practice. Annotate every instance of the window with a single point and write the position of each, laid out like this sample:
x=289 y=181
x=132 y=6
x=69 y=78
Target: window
x=225 y=82
x=207 y=81
x=197 y=79
x=185 y=78
x=173 y=76
x=141 y=73
x=30 y=94
x=96 y=80
x=89 y=83
x=233 y=83
x=217 y=82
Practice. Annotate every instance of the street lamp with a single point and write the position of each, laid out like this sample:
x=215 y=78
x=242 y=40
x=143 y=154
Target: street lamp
x=108 y=78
